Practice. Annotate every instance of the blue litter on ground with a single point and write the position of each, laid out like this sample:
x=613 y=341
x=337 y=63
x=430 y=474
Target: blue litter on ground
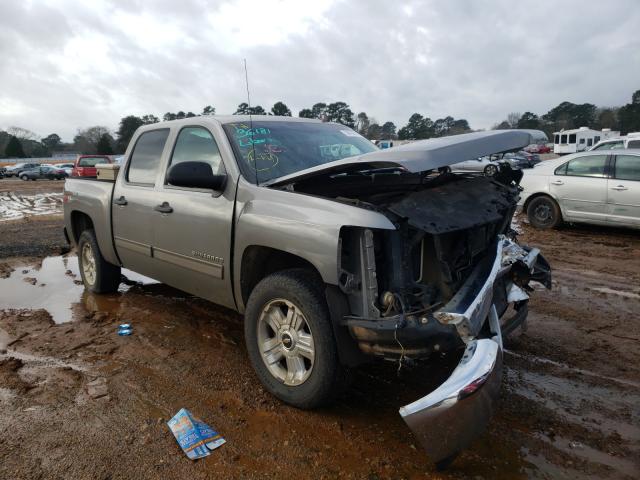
x=196 y=438
x=125 y=329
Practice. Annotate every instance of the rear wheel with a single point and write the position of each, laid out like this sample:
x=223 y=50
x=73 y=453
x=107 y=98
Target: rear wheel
x=543 y=212
x=290 y=340
x=490 y=170
x=98 y=275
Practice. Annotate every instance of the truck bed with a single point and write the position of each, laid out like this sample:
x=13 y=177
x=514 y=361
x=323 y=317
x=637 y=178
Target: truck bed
x=91 y=197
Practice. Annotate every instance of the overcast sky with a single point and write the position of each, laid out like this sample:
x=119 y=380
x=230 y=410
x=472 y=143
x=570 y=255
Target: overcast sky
x=68 y=64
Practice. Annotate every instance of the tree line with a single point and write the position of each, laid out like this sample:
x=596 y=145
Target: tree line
x=569 y=115
x=20 y=142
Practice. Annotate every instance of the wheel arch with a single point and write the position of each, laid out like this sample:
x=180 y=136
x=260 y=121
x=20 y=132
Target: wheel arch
x=80 y=221
x=259 y=262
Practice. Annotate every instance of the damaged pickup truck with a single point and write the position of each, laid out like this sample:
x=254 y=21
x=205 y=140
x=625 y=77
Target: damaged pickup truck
x=335 y=252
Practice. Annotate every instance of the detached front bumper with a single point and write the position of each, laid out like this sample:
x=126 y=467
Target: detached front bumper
x=449 y=418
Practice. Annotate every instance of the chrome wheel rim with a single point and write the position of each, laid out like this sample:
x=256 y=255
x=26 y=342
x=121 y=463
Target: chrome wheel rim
x=491 y=170
x=286 y=342
x=88 y=264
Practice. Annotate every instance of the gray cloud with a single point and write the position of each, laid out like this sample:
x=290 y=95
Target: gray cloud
x=68 y=64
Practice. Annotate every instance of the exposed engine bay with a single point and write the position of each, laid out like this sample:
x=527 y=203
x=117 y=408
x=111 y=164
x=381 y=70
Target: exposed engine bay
x=396 y=281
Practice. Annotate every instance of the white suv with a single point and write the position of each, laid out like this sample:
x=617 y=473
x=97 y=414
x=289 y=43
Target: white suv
x=632 y=140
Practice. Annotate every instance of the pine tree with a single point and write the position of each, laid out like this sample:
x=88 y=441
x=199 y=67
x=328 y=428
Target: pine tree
x=14 y=148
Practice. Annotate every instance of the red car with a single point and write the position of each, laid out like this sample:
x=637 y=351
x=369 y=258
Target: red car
x=85 y=165
x=537 y=148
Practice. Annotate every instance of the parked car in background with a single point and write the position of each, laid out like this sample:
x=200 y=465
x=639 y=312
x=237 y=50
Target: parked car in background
x=2 y=172
x=538 y=148
x=522 y=159
x=487 y=165
x=16 y=170
x=85 y=165
x=50 y=173
x=592 y=187
x=67 y=167
x=632 y=140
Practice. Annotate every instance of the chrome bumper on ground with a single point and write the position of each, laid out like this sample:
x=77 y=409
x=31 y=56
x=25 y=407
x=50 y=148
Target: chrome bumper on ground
x=449 y=418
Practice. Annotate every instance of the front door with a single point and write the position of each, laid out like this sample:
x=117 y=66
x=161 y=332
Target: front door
x=192 y=226
x=581 y=189
x=624 y=191
x=133 y=201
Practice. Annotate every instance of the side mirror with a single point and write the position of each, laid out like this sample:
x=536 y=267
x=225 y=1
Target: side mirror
x=195 y=175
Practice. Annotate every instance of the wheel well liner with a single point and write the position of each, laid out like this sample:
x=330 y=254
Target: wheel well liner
x=258 y=262
x=80 y=222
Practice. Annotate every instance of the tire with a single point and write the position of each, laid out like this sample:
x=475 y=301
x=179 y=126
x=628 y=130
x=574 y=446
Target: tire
x=292 y=376
x=490 y=170
x=544 y=212
x=98 y=275
x=24 y=178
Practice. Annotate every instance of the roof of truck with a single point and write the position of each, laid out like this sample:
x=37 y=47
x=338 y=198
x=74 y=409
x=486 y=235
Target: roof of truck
x=223 y=119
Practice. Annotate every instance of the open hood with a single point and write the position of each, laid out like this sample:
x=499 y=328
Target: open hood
x=425 y=155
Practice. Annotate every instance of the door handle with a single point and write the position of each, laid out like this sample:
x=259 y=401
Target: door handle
x=163 y=208
x=120 y=201
x=619 y=188
x=557 y=182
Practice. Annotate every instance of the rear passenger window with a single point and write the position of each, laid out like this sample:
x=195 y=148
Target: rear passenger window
x=196 y=144
x=627 y=167
x=91 y=161
x=572 y=138
x=145 y=158
x=591 y=166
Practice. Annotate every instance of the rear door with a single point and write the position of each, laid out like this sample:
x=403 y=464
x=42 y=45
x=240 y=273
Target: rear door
x=624 y=191
x=134 y=199
x=192 y=243
x=580 y=186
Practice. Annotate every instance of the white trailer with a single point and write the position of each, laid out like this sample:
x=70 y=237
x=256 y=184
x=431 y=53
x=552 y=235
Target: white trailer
x=579 y=139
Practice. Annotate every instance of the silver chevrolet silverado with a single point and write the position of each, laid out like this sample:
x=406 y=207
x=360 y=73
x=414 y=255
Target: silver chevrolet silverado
x=335 y=252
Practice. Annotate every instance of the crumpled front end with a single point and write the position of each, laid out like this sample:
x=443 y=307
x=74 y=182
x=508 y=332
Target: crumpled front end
x=452 y=276
x=448 y=419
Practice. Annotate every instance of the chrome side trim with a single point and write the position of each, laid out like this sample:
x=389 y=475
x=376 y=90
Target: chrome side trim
x=196 y=264
x=137 y=247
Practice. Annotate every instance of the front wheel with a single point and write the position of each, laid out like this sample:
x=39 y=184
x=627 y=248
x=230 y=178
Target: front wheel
x=543 y=212
x=24 y=177
x=290 y=340
x=98 y=275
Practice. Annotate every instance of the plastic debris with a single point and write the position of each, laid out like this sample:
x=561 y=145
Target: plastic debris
x=125 y=329
x=196 y=438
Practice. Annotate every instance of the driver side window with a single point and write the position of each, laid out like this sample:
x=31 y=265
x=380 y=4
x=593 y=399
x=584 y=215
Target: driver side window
x=196 y=144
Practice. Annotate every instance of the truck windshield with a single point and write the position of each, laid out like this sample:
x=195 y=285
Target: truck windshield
x=267 y=150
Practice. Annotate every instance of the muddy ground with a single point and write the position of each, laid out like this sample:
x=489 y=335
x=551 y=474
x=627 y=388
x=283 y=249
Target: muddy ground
x=78 y=401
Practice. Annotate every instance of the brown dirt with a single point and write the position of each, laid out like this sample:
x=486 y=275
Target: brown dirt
x=36 y=235
x=30 y=187
x=569 y=406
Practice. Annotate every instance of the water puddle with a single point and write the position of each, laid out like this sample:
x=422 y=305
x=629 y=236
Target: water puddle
x=590 y=411
x=55 y=286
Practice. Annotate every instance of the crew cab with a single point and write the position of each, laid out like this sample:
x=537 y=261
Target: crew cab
x=85 y=165
x=336 y=252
